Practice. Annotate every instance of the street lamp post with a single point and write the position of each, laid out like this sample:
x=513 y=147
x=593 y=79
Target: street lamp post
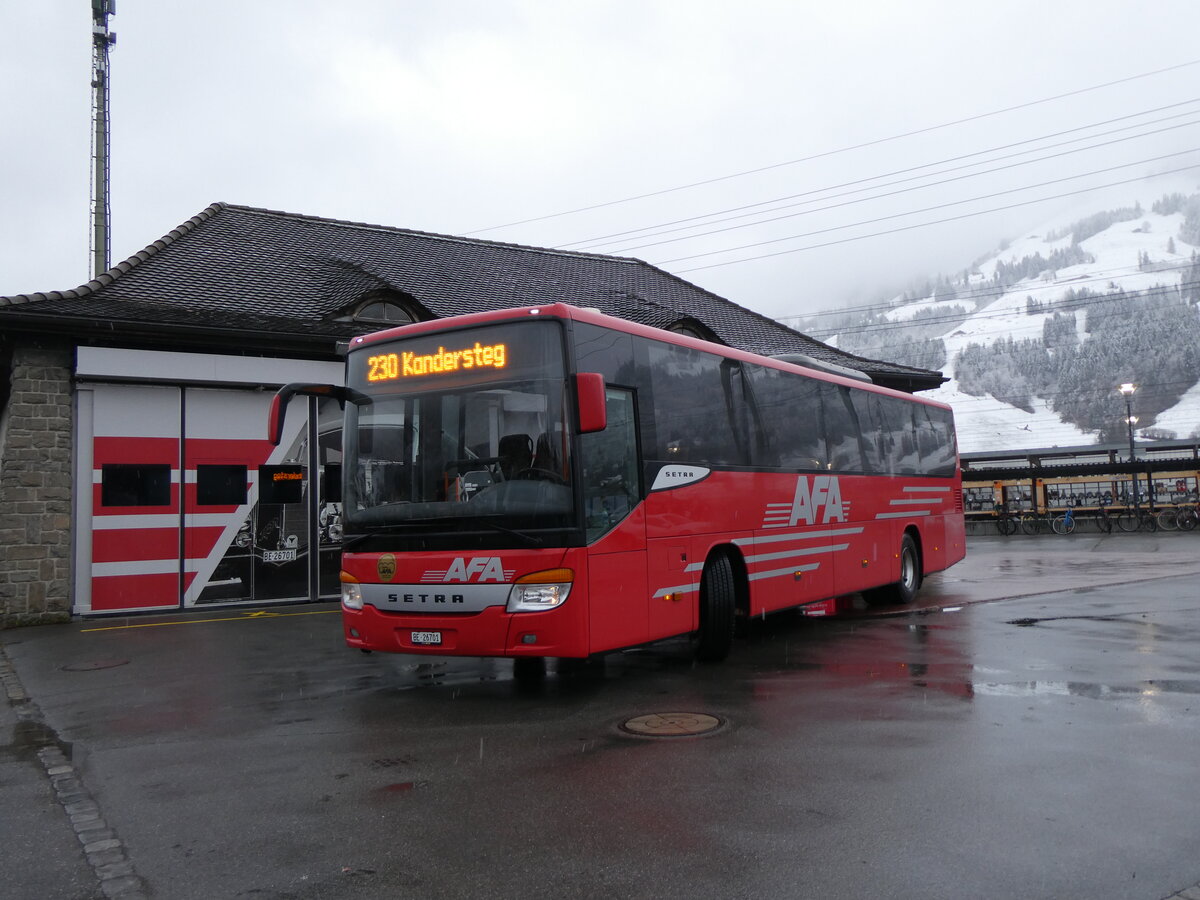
x=1127 y=390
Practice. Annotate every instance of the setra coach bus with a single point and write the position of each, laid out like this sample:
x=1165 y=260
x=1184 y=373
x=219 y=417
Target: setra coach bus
x=554 y=482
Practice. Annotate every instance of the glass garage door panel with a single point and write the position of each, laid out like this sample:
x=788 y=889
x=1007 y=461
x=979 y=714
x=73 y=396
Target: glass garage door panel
x=239 y=548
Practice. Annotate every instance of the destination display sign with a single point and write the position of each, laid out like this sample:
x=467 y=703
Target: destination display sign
x=478 y=355
x=392 y=366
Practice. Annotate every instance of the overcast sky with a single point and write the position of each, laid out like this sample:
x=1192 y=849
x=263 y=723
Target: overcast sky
x=456 y=117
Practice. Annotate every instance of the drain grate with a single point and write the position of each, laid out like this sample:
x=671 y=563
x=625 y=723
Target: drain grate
x=671 y=724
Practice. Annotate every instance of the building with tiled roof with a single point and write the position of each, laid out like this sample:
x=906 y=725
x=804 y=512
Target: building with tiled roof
x=271 y=282
x=132 y=408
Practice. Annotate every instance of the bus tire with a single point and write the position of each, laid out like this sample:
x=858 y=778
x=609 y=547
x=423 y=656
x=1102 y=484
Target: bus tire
x=905 y=590
x=718 y=602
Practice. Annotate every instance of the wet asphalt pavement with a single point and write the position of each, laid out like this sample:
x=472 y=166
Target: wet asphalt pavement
x=1030 y=730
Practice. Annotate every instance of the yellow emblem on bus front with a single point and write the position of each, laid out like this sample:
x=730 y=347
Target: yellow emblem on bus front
x=386 y=567
x=390 y=366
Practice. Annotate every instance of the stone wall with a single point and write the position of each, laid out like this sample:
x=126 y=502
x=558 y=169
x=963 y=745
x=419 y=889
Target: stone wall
x=35 y=489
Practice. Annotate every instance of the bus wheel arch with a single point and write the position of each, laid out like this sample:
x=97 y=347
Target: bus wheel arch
x=904 y=591
x=722 y=594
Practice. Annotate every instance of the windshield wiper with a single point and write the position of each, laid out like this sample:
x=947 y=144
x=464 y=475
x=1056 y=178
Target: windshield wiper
x=401 y=527
x=527 y=538
x=386 y=528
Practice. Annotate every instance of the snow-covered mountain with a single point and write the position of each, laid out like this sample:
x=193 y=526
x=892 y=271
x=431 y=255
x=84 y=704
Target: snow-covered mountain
x=1038 y=335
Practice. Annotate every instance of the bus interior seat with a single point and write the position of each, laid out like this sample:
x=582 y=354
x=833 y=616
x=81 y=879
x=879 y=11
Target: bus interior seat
x=516 y=454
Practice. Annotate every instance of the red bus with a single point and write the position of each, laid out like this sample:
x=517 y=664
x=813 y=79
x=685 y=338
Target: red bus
x=553 y=482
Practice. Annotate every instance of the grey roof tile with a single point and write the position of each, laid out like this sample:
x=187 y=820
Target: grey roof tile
x=257 y=271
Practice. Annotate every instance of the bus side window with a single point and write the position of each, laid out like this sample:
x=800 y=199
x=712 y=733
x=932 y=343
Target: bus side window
x=936 y=439
x=842 y=432
x=870 y=420
x=790 y=412
x=901 y=441
x=693 y=422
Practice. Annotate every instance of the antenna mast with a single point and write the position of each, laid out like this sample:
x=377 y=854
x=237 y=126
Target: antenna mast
x=102 y=40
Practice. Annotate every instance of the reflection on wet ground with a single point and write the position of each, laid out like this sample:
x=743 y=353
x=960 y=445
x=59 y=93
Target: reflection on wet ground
x=1001 y=569
x=1084 y=689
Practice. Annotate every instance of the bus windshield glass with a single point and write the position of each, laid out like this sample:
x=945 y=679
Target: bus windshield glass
x=463 y=425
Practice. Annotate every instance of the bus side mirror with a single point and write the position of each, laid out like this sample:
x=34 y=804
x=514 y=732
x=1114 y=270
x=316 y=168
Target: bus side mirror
x=275 y=420
x=590 y=400
x=279 y=403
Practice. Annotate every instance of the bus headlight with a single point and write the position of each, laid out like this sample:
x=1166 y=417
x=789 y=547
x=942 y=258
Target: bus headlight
x=351 y=592
x=540 y=591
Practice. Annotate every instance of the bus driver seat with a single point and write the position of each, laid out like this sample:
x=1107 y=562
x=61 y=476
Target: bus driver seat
x=516 y=454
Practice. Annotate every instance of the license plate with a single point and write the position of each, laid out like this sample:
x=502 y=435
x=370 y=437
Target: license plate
x=279 y=555
x=426 y=637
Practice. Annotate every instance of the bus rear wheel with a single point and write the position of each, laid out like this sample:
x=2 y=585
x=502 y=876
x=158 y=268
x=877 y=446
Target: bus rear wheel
x=718 y=602
x=904 y=590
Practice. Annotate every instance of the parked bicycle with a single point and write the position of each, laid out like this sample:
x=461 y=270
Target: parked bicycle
x=1181 y=518
x=1005 y=523
x=1032 y=523
x=1064 y=524
x=1137 y=520
x=1187 y=517
x=1167 y=518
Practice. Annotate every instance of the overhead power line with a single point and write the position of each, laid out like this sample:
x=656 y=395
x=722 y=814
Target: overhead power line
x=828 y=153
x=906 y=190
x=1139 y=346
x=978 y=291
x=1111 y=275
x=947 y=205
x=591 y=244
x=902 y=228
x=1076 y=304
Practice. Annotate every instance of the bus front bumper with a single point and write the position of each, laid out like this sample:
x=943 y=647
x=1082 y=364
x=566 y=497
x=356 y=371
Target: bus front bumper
x=492 y=632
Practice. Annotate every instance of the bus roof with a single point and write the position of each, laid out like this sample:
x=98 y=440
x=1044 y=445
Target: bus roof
x=595 y=317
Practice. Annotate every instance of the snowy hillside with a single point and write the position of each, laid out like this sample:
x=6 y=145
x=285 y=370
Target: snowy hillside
x=1014 y=331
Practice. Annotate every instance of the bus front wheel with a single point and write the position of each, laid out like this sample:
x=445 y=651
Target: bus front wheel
x=717 y=608
x=904 y=590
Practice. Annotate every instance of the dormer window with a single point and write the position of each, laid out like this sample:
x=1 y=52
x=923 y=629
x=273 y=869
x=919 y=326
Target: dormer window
x=693 y=328
x=384 y=312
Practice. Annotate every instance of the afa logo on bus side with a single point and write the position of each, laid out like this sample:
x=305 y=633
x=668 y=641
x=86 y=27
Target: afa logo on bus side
x=816 y=502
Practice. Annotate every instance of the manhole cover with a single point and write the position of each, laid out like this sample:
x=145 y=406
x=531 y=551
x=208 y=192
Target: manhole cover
x=671 y=724
x=93 y=665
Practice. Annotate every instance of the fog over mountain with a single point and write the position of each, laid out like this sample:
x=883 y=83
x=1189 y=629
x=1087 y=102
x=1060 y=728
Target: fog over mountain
x=1037 y=336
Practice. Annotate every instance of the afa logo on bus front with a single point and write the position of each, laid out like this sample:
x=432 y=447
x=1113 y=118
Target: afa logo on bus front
x=477 y=570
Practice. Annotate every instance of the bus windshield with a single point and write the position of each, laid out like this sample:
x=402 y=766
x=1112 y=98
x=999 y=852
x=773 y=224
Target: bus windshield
x=443 y=441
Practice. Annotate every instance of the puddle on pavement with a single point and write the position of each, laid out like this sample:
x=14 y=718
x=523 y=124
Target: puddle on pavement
x=1085 y=689
x=29 y=737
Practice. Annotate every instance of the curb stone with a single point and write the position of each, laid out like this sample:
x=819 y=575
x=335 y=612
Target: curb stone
x=102 y=848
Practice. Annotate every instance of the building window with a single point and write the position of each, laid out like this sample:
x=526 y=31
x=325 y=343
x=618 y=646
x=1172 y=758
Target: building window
x=693 y=328
x=384 y=312
x=220 y=485
x=123 y=484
